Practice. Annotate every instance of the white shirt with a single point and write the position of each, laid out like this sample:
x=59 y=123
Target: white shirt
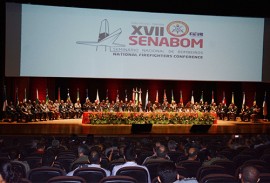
x=128 y=164
x=108 y=173
x=187 y=180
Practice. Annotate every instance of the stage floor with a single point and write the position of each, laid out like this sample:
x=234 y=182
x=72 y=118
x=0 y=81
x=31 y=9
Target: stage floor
x=75 y=126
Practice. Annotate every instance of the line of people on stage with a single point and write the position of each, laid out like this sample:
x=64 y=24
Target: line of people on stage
x=29 y=111
x=49 y=110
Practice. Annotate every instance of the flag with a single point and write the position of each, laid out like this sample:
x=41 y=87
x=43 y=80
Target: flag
x=37 y=96
x=157 y=96
x=136 y=96
x=140 y=96
x=87 y=94
x=47 y=96
x=17 y=97
x=224 y=99
x=59 y=95
x=164 y=96
x=172 y=97
x=126 y=98
x=78 y=94
x=97 y=97
x=5 y=103
x=25 y=98
x=133 y=95
x=232 y=98
x=254 y=102
x=107 y=94
x=146 y=99
x=68 y=96
x=192 y=98
x=117 y=96
x=213 y=100
x=264 y=105
x=244 y=100
x=201 y=100
x=181 y=97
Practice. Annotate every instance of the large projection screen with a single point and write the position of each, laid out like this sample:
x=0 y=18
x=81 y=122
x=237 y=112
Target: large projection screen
x=94 y=43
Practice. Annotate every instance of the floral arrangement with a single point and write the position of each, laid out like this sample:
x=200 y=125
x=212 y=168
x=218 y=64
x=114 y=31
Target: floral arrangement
x=150 y=118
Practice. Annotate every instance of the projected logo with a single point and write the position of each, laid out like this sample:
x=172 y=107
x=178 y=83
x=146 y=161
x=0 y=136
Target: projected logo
x=177 y=28
x=105 y=38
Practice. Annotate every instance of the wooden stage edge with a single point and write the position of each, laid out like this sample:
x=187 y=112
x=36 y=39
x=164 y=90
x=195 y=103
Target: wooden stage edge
x=75 y=126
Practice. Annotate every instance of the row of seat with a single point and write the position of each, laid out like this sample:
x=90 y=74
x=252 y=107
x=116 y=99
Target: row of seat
x=207 y=174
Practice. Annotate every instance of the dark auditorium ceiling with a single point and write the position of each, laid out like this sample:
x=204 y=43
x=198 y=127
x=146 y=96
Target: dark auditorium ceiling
x=246 y=8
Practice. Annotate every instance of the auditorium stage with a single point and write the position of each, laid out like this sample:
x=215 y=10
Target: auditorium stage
x=75 y=126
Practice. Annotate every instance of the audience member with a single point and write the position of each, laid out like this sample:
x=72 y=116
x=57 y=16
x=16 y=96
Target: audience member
x=249 y=174
x=14 y=156
x=83 y=152
x=94 y=161
x=192 y=153
x=130 y=157
x=159 y=156
x=167 y=173
x=7 y=174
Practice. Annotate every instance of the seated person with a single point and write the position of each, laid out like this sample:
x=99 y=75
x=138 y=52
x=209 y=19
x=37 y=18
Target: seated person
x=249 y=174
x=14 y=156
x=7 y=174
x=167 y=173
x=130 y=156
x=94 y=161
x=245 y=113
x=78 y=109
x=83 y=152
x=232 y=110
x=222 y=111
x=160 y=155
x=11 y=112
x=254 y=111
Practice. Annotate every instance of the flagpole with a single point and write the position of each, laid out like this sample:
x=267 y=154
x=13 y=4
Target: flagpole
x=265 y=107
x=87 y=94
x=126 y=98
x=17 y=97
x=78 y=94
x=213 y=98
x=146 y=100
x=157 y=97
x=97 y=97
x=5 y=104
x=59 y=95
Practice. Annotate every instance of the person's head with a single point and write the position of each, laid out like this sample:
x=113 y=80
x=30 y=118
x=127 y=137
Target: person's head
x=130 y=153
x=172 y=145
x=14 y=154
x=55 y=143
x=7 y=174
x=94 y=157
x=167 y=173
x=249 y=174
x=47 y=159
x=192 y=153
x=161 y=151
x=40 y=146
x=83 y=149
